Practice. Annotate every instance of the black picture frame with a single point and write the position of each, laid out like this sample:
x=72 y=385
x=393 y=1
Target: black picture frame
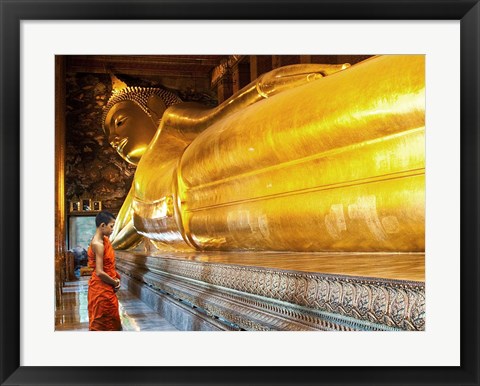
x=12 y=12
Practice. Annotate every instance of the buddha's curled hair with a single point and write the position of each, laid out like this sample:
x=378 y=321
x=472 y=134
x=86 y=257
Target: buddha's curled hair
x=139 y=95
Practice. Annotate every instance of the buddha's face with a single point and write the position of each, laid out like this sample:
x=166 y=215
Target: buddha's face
x=129 y=129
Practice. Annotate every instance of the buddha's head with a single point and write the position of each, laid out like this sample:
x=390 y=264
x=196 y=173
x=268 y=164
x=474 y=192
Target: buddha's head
x=131 y=118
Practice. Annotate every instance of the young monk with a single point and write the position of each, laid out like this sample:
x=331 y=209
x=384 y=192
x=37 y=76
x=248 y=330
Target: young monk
x=105 y=281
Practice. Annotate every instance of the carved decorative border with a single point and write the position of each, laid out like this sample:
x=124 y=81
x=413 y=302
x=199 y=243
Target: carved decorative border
x=392 y=303
x=238 y=310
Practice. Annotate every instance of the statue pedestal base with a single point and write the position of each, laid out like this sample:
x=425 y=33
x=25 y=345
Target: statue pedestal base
x=260 y=291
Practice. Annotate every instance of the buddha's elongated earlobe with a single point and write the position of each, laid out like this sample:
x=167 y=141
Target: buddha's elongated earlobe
x=157 y=107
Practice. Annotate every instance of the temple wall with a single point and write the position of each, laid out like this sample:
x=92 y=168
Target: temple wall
x=92 y=167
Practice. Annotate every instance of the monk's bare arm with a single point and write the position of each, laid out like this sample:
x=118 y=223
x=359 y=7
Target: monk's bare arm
x=98 y=249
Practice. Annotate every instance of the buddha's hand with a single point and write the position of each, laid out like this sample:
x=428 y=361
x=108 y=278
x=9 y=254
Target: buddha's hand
x=126 y=238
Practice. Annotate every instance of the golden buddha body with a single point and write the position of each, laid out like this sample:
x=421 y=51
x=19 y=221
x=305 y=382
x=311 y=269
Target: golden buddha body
x=307 y=158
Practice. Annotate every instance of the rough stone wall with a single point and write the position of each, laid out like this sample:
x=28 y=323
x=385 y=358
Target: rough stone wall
x=92 y=167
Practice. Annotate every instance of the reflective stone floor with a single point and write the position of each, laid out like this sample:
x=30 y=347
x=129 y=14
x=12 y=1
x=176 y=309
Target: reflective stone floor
x=72 y=313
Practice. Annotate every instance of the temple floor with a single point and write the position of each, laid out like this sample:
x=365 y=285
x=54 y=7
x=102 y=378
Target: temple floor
x=72 y=313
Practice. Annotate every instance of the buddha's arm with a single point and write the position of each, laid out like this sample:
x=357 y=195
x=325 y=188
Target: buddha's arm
x=189 y=119
x=288 y=77
x=181 y=123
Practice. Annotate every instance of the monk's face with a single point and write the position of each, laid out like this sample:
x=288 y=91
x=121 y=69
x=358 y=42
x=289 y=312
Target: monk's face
x=107 y=229
x=130 y=130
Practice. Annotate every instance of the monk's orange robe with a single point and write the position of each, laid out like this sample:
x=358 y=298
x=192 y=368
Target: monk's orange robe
x=102 y=300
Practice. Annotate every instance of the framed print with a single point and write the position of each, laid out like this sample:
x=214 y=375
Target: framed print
x=35 y=37
x=97 y=205
x=75 y=206
x=86 y=204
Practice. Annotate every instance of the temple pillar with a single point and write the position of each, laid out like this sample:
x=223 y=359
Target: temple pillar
x=230 y=76
x=225 y=87
x=327 y=59
x=338 y=59
x=352 y=59
x=60 y=215
x=69 y=266
x=304 y=59
x=240 y=75
x=259 y=64
x=276 y=61
x=284 y=60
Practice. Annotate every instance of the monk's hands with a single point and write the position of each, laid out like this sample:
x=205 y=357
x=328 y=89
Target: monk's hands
x=117 y=286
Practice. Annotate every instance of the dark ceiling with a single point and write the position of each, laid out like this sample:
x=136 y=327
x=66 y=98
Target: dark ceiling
x=191 y=66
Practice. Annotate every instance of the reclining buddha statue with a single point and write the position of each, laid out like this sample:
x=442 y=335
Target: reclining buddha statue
x=307 y=158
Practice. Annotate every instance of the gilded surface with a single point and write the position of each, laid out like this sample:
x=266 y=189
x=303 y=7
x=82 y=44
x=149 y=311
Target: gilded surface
x=306 y=158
